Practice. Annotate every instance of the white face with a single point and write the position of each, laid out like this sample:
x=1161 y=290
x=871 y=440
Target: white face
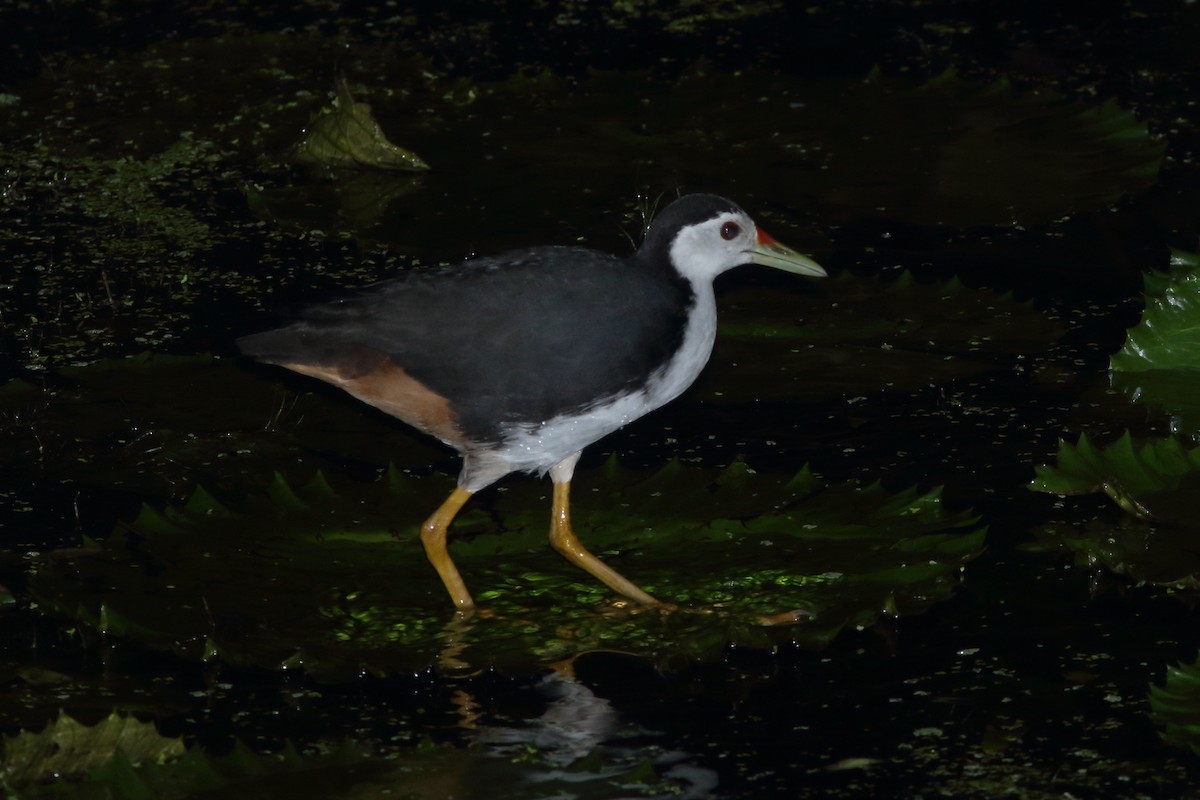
x=703 y=251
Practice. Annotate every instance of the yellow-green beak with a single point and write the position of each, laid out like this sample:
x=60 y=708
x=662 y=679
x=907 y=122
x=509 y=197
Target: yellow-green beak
x=770 y=253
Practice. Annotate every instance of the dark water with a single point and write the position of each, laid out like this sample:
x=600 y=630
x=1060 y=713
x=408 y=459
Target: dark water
x=987 y=230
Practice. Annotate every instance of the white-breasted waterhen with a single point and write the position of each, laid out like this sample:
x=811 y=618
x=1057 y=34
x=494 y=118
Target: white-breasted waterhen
x=522 y=360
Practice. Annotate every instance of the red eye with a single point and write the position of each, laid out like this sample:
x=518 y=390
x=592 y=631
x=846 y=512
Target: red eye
x=730 y=231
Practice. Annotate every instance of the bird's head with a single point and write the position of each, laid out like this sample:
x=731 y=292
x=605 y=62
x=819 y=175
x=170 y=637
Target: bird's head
x=703 y=235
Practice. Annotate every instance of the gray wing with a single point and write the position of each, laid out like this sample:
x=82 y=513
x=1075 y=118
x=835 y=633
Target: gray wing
x=518 y=338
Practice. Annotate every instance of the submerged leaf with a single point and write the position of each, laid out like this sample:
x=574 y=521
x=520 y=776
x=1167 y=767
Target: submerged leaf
x=66 y=748
x=549 y=763
x=892 y=333
x=348 y=135
x=947 y=152
x=124 y=759
x=921 y=154
x=1147 y=553
x=338 y=583
x=1156 y=483
x=1175 y=706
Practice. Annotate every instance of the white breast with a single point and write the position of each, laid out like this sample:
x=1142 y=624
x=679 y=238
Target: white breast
x=537 y=447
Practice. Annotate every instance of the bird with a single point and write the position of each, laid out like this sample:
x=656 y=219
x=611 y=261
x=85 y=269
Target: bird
x=521 y=360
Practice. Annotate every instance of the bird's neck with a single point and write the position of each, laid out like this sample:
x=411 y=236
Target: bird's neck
x=695 y=349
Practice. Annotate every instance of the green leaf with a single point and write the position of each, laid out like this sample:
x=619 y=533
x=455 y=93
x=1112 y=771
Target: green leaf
x=1175 y=706
x=1160 y=362
x=1152 y=482
x=1156 y=484
x=1181 y=264
x=348 y=135
x=1168 y=336
x=337 y=582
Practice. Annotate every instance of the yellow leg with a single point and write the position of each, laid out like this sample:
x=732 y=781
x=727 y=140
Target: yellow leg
x=564 y=540
x=433 y=536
